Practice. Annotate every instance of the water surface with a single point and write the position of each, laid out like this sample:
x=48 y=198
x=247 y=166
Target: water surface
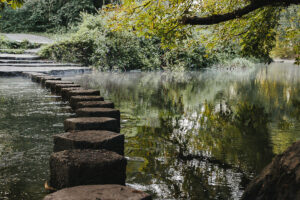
x=29 y=116
x=203 y=135
x=193 y=135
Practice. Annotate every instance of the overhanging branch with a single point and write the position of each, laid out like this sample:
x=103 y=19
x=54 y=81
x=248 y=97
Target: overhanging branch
x=254 y=5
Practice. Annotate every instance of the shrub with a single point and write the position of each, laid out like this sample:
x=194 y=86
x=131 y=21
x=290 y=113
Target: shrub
x=25 y=44
x=97 y=45
x=44 y=15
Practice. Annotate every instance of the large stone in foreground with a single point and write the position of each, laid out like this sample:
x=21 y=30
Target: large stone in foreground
x=92 y=123
x=95 y=104
x=59 y=87
x=98 y=112
x=100 y=192
x=86 y=167
x=81 y=92
x=75 y=99
x=89 y=140
x=279 y=180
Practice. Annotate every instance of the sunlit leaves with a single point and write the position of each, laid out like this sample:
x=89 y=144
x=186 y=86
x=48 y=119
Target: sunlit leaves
x=13 y=3
x=254 y=32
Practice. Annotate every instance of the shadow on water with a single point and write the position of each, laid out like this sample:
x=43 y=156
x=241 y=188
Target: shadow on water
x=193 y=135
x=203 y=135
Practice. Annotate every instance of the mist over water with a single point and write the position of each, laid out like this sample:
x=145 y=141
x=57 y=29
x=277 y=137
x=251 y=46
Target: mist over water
x=191 y=135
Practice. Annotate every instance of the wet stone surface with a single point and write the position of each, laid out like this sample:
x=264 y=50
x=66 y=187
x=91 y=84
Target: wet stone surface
x=89 y=140
x=92 y=123
x=95 y=104
x=98 y=112
x=75 y=99
x=105 y=192
x=85 y=167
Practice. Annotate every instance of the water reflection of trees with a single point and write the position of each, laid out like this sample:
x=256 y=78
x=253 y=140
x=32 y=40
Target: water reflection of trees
x=203 y=134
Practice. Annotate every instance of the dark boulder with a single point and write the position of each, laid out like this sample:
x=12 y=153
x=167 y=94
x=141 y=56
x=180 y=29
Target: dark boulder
x=280 y=180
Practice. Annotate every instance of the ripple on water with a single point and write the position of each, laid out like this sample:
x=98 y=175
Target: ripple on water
x=27 y=116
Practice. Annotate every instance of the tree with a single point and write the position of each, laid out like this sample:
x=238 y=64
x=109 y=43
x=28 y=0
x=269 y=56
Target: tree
x=237 y=13
x=250 y=24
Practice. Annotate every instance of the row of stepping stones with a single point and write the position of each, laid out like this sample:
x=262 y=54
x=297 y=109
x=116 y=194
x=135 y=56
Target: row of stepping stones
x=88 y=160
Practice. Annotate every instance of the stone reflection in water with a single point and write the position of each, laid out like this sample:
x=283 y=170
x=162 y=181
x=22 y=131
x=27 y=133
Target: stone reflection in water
x=203 y=135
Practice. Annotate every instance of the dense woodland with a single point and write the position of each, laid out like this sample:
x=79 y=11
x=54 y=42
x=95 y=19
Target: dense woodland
x=154 y=35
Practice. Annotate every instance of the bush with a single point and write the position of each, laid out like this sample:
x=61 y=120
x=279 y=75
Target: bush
x=25 y=44
x=70 y=51
x=44 y=15
x=95 y=44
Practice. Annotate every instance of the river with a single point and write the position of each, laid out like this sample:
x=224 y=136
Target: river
x=192 y=135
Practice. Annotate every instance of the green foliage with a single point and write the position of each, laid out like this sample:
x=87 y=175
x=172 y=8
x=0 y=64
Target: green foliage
x=25 y=44
x=254 y=33
x=44 y=15
x=12 y=51
x=73 y=50
x=259 y=41
x=95 y=44
x=188 y=57
x=288 y=34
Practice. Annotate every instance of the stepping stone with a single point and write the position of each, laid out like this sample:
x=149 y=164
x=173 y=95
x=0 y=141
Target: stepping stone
x=41 y=79
x=98 y=112
x=95 y=104
x=86 y=167
x=110 y=141
x=59 y=87
x=64 y=92
x=35 y=77
x=75 y=99
x=80 y=92
x=51 y=83
x=104 y=192
x=92 y=123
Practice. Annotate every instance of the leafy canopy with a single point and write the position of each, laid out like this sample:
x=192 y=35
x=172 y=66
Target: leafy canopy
x=250 y=24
